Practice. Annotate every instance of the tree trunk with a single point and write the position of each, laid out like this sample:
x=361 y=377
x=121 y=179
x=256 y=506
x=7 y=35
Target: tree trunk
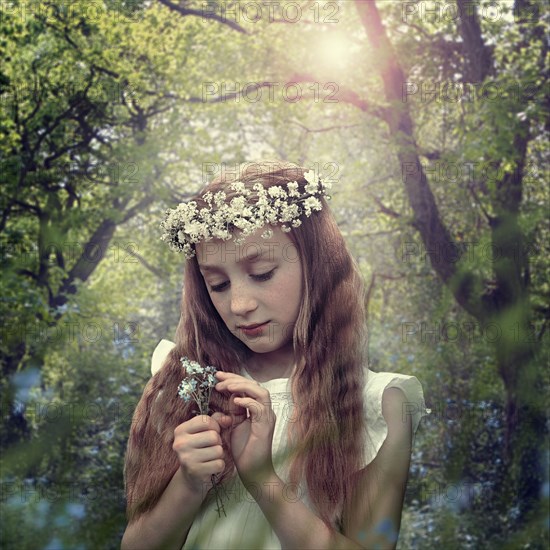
x=504 y=303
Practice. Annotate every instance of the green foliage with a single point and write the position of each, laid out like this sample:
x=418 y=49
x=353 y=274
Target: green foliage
x=108 y=117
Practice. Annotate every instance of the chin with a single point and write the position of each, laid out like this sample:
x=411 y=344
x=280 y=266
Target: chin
x=260 y=347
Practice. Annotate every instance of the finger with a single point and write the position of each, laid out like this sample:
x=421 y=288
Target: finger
x=207 y=454
x=190 y=456
x=205 y=439
x=252 y=406
x=224 y=420
x=250 y=387
x=215 y=466
x=186 y=444
x=238 y=414
x=221 y=375
x=201 y=423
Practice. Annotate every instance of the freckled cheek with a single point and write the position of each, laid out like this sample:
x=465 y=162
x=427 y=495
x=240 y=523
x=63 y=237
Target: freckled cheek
x=288 y=290
x=221 y=306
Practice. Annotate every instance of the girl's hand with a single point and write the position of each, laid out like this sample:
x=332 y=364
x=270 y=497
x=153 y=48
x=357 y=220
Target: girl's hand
x=252 y=436
x=198 y=444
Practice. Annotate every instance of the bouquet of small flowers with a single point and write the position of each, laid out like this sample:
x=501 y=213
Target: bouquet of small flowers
x=198 y=386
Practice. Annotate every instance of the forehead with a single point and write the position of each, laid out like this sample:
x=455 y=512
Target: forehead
x=253 y=248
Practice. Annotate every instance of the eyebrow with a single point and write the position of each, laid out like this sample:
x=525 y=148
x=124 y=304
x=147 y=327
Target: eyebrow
x=249 y=258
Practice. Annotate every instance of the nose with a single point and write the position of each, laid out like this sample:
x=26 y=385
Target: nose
x=242 y=299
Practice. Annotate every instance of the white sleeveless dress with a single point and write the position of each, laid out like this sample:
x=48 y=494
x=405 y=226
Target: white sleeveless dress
x=245 y=527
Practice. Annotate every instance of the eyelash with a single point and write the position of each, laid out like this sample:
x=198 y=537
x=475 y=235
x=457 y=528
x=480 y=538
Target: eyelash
x=260 y=277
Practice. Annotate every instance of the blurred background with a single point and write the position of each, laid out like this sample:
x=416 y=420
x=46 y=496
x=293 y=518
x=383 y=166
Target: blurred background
x=431 y=121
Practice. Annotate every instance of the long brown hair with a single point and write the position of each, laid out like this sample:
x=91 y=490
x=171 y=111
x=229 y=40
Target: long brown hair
x=326 y=437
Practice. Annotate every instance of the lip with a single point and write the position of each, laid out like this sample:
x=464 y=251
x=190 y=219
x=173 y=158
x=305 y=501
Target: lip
x=253 y=331
x=251 y=327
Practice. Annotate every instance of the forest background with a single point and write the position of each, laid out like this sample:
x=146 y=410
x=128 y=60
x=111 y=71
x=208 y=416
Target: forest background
x=431 y=121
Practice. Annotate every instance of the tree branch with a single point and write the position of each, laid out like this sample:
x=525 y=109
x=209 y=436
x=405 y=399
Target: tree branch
x=93 y=252
x=326 y=129
x=478 y=57
x=437 y=239
x=345 y=95
x=204 y=14
x=146 y=264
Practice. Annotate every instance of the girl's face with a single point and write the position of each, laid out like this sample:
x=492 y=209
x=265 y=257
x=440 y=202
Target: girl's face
x=258 y=282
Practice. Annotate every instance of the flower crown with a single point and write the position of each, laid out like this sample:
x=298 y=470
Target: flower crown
x=186 y=224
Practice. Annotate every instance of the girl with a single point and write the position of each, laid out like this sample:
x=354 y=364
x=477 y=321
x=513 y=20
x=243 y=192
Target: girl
x=309 y=448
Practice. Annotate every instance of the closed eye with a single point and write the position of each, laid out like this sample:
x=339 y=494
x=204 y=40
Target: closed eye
x=264 y=276
x=260 y=277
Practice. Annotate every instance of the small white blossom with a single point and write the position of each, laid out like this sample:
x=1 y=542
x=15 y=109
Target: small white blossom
x=311 y=203
x=239 y=187
x=259 y=188
x=219 y=198
x=309 y=176
x=194 y=229
x=238 y=203
x=197 y=386
x=187 y=225
x=276 y=191
x=311 y=188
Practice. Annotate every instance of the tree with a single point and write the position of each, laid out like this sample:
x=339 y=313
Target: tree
x=78 y=160
x=504 y=298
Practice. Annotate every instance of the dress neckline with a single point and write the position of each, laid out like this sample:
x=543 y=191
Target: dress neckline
x=246 y=374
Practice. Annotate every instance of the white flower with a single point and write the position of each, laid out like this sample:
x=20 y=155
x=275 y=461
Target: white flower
x=195 y=229
x=187 y=225
x=276 y=191
x=238 y=187
x=240 y=223
x=293 y=189
x=309 y=176
x=219 y=198
x=311 y=188
x=312 y=203
x=238 y=203
x=192 y=367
